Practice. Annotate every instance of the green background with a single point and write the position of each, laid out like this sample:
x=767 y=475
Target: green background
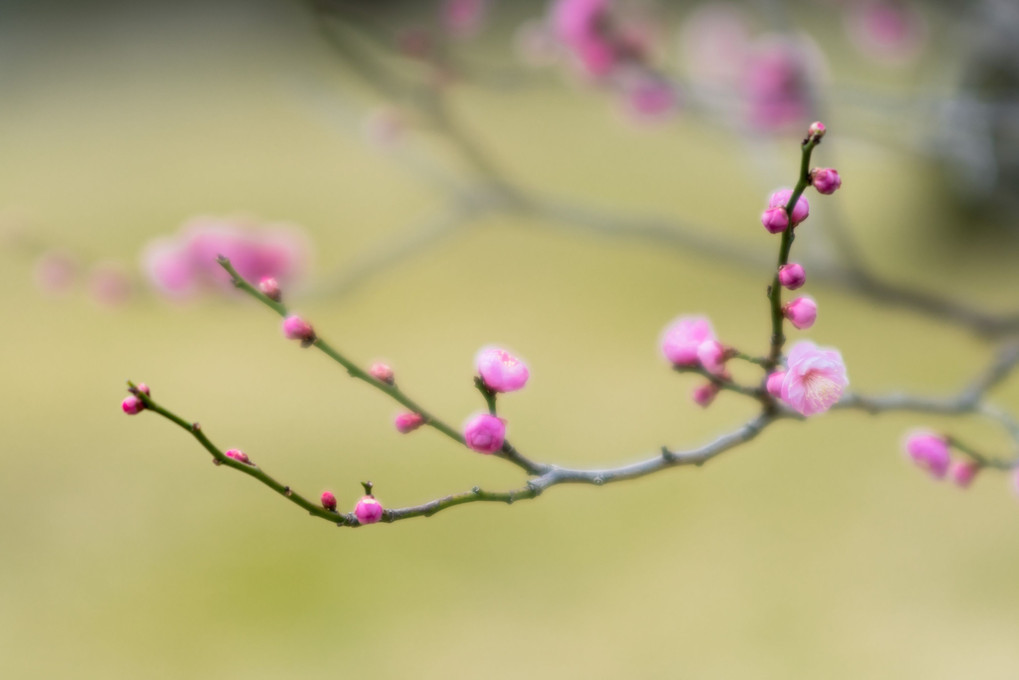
x=815 y=551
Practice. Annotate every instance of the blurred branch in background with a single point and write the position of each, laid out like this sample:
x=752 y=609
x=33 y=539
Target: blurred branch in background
x=372 y=50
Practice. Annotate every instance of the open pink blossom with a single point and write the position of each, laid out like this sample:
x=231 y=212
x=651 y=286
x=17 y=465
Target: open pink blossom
x=683 y=337
x=368 y=510
x=501 y=371
x=485 y=433
x=815 y=378
x=929 y=451
x=780 y=199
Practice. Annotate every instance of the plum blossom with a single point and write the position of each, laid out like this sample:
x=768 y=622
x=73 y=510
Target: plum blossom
x=185 y=264
x=815 y=378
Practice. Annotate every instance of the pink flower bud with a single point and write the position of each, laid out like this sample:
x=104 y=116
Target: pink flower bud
x=775 y=220
x=962 y=472
x=816 y=130
x=929 y=451
x=238 y=455
x=792 y=276
x=485 y=433
x=296 y=328
x=270 y=288
x=815 y=378
x=328 y=500
x=500 y=370
x=825 y=180
x=774 y=384
x=368 y=510
x=408 y=422
x=705 y=394
x=132 y=405
x=683 y=337
x=801 y=312
x=382 y=372
x=801 y=210
x=144 y=389
x=711 y=355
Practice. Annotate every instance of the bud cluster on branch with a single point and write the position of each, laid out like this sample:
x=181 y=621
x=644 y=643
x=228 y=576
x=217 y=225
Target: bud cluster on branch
x=805 y=381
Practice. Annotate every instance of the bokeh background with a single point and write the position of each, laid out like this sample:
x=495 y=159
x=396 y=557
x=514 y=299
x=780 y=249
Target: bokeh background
x=815 y=551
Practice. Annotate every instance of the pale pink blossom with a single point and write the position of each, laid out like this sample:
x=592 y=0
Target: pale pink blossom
x=500 y=370
x=801 y=312
x=963 y=471
x=683 y=337
x=485 y=433
x=781 y=198
x=792 y=276
x=711 y=355
x=825 y=180
x=929 y=451
x=774 y=384
x=815 y=378
x=368 y=510
x=328 y=500
x=705 y=394
x=408 y=421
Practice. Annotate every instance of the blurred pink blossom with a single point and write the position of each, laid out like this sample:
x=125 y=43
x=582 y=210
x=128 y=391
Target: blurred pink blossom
x=55 y=272
x=185 y=264
x=463 y=18
x=713 y=43
x=889 y=31
x=109 y=284
x=928 y=450
x=777 y=81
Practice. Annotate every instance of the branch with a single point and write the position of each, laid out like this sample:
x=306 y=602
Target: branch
x=507 y=452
